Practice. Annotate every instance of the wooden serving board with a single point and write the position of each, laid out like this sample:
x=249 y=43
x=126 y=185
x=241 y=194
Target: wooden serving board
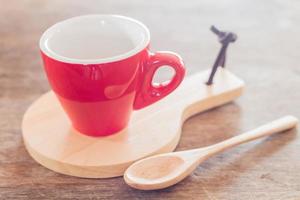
x=52 y=142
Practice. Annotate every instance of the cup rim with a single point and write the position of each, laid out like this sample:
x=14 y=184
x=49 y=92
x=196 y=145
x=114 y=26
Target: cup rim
x=139 y=47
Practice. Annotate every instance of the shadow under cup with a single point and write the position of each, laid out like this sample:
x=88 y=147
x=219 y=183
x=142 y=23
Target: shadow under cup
x=98 y=67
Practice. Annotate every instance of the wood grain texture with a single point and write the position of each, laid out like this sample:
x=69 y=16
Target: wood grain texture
x=266 y=55
x=50 y=139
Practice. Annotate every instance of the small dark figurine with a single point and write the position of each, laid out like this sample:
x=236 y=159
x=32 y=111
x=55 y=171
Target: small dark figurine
x=224 y=38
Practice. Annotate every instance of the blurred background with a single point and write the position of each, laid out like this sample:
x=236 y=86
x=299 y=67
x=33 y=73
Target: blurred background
x=179 y=26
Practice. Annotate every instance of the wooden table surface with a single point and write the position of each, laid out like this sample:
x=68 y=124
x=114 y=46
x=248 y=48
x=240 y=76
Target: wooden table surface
x=266 y=56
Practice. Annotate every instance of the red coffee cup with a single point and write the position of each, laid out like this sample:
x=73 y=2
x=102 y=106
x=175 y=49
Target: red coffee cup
x=100 y=68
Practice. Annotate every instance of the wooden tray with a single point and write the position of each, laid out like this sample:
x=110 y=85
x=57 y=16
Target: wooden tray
x=52 y=142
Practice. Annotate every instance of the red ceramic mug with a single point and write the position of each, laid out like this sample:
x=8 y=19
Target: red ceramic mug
x=100 y=68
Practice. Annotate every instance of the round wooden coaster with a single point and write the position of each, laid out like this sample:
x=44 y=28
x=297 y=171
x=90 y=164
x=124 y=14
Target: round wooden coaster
x=52 y=142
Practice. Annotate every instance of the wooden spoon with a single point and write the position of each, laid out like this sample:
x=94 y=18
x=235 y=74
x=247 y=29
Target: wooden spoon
x=164 y=170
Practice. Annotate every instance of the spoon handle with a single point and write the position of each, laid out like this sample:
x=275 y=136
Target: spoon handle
x=270 y=128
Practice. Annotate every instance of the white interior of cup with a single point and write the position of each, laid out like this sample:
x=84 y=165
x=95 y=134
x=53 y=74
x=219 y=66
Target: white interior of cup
x=94 y=39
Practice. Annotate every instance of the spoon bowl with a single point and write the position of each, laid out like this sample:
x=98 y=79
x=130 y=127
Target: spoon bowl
x=154 y=170
x=160 y=171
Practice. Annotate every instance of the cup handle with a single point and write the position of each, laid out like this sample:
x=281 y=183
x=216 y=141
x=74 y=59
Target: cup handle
x=149 y=93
